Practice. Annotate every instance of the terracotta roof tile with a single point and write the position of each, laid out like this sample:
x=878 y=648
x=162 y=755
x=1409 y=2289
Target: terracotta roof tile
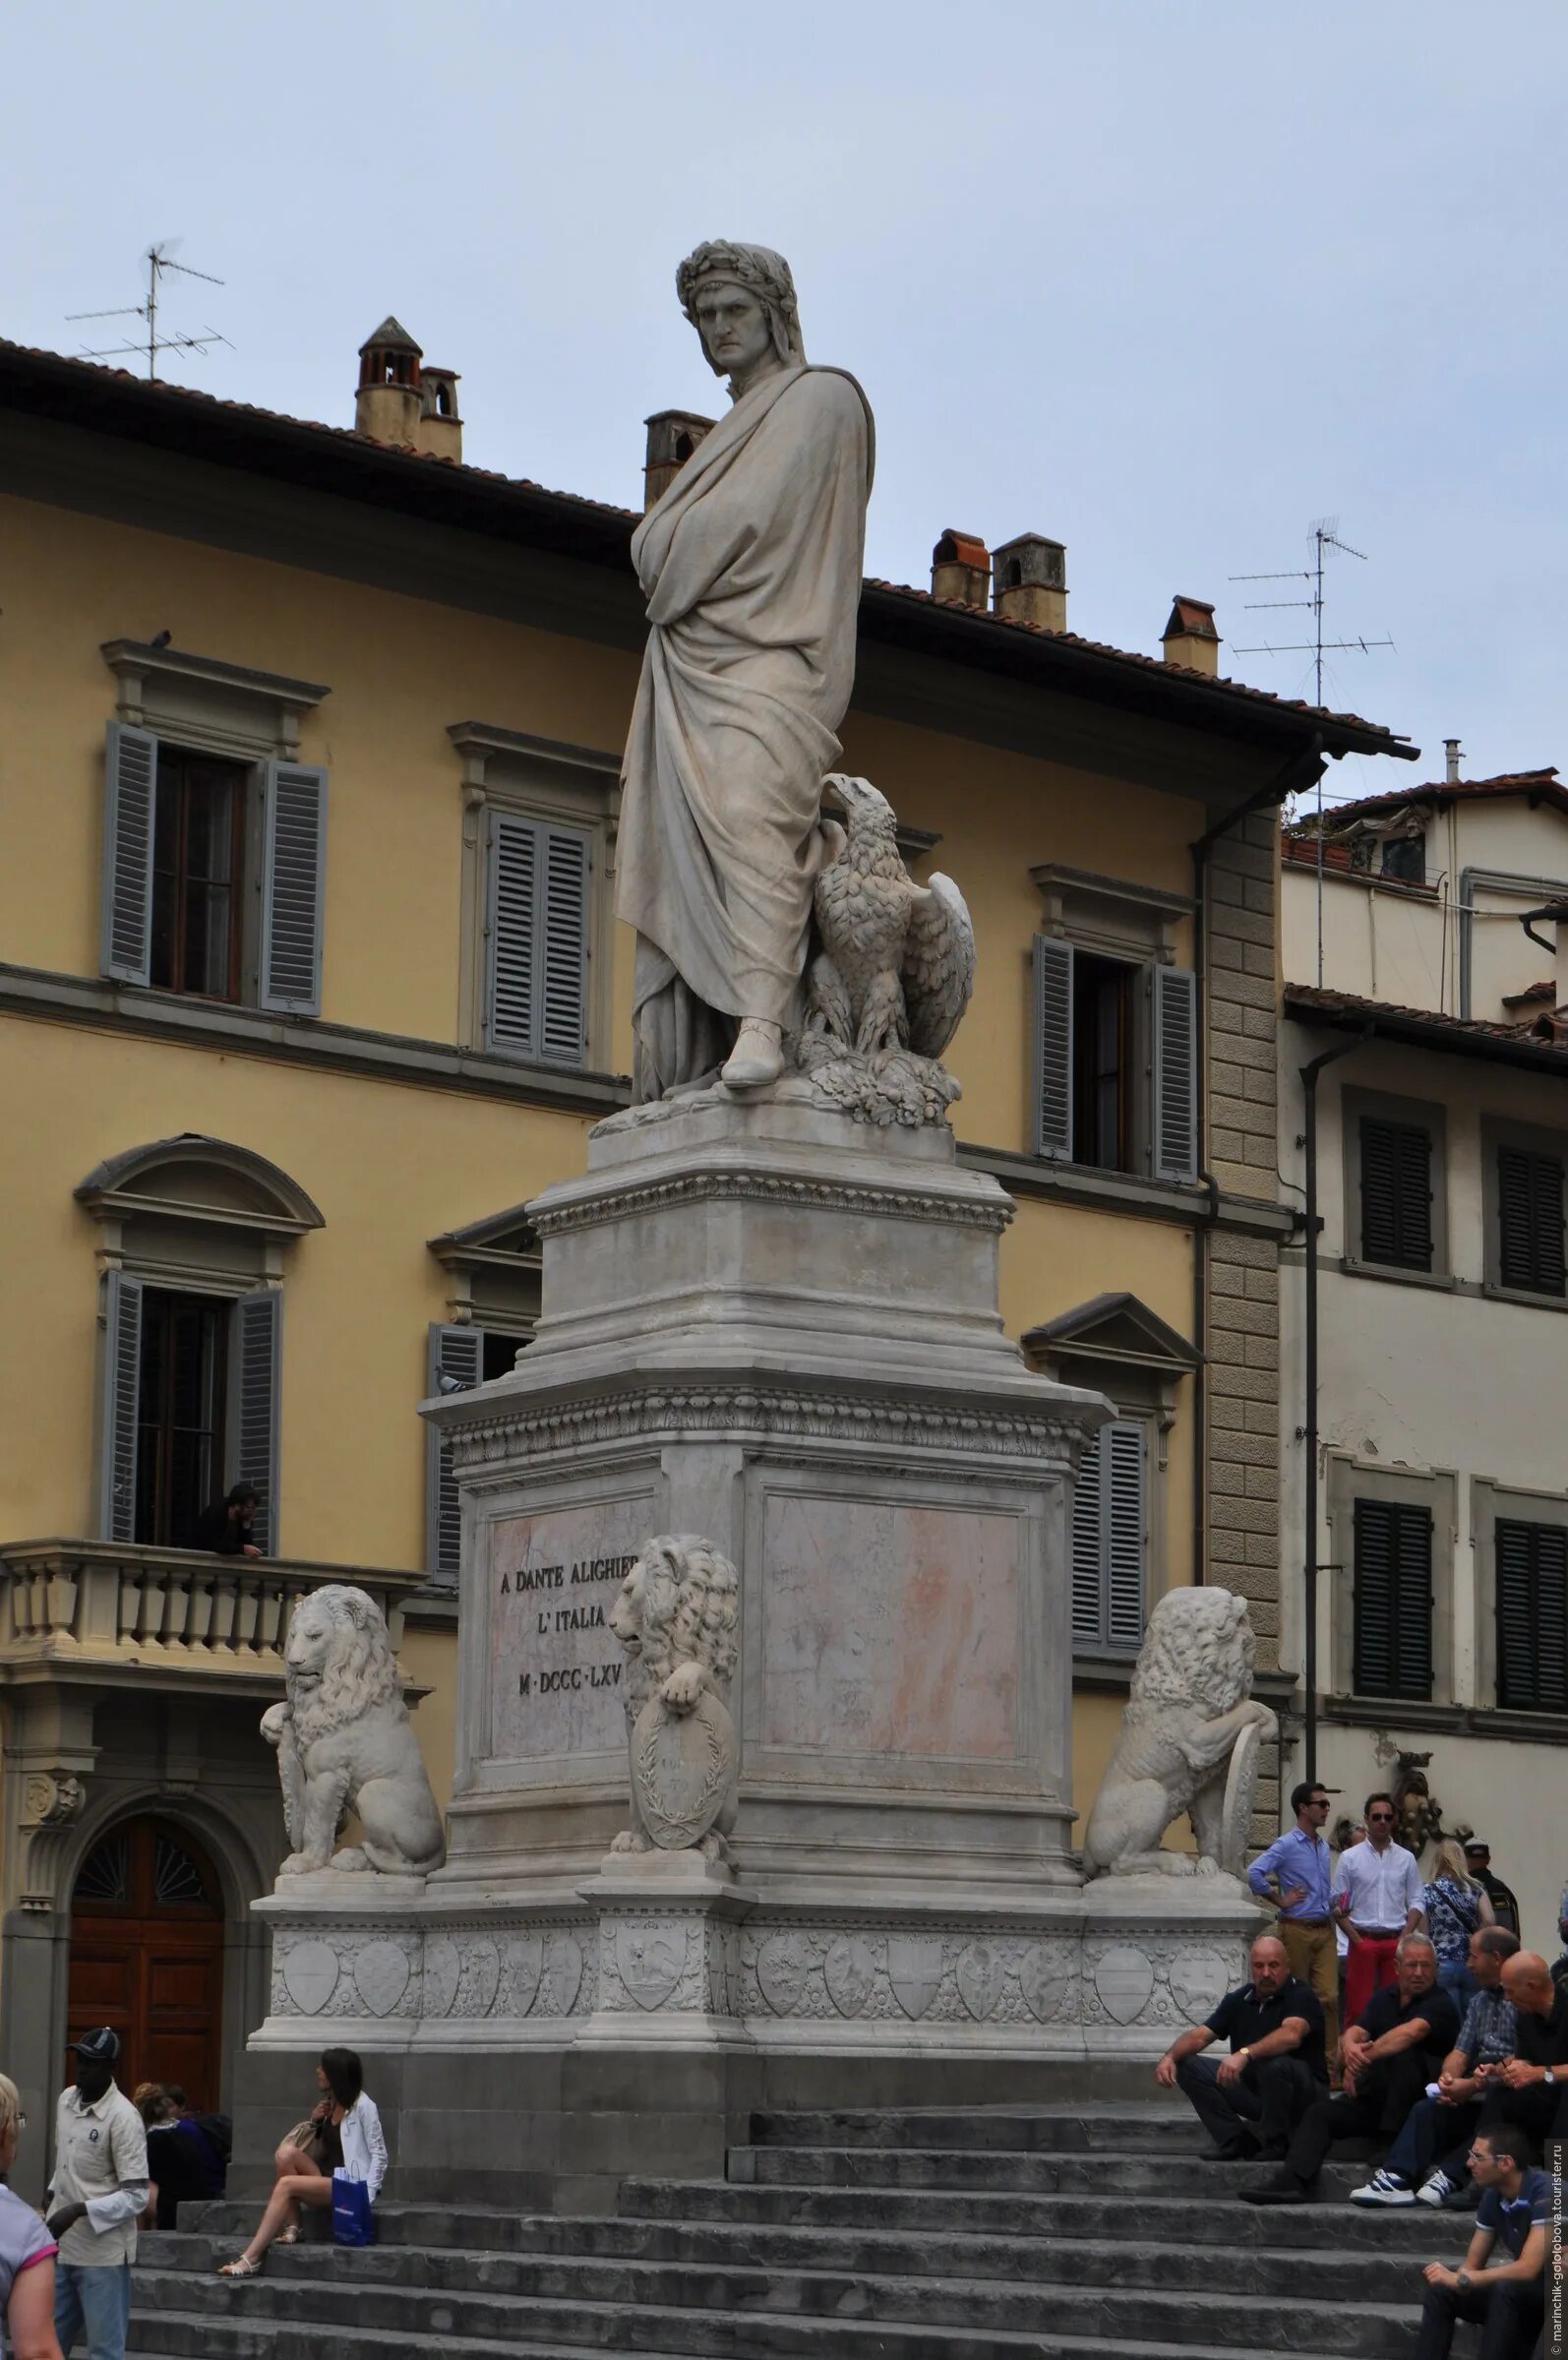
x=1423 y=1027
x=1545 y=785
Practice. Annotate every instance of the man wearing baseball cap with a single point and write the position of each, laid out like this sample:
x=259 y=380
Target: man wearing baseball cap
x=98 y=2192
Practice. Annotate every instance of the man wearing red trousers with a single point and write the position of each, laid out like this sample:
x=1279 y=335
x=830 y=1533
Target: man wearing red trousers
x=1377 y=1895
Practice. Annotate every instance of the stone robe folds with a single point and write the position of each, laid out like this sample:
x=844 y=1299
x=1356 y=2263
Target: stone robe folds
x=752 y=568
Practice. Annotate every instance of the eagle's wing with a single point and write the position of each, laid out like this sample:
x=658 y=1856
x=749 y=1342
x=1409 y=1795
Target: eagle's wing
x=939 y=971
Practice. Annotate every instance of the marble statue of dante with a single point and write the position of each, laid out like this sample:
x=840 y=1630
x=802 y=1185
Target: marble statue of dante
x=751 y=563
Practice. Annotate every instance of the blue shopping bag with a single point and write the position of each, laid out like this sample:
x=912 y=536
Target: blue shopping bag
x=354 y=2221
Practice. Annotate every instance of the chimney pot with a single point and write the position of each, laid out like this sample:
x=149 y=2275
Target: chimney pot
x=960 y=569
x=673 y=436
x=1453 y=755
x=390 y=402
x=1031 y=581
x=440 y=424
x=1189 y=637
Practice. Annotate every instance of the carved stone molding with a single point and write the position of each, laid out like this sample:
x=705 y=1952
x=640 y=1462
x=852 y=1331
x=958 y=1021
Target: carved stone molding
x=52 y=1798
x=950 y=1210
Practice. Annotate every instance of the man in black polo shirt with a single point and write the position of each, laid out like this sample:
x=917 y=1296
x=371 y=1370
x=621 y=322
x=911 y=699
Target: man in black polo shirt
x=1398 y=2045
x=1251 y=2100
x=1533 y=2095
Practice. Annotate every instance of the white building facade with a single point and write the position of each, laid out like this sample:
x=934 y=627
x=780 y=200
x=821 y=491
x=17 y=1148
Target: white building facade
x=1439 y=1533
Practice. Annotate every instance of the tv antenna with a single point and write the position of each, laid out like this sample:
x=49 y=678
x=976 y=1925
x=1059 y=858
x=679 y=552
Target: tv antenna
x=158 y=258
x=1323 y=535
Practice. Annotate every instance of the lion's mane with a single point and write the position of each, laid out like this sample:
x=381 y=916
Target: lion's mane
x=360 y=1671
x=1198 y=1649
x=691 y=1608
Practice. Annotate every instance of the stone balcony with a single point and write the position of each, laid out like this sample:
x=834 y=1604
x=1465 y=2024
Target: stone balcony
x=108 y=1613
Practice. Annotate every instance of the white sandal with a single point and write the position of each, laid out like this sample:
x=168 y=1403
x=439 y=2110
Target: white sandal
x=243 y=2268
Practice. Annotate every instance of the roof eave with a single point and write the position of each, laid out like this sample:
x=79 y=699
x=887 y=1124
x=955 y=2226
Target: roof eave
x=1409 y=1029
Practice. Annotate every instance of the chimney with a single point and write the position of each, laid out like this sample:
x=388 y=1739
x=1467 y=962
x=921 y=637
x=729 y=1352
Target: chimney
x=1031 y=581
x=673 y=436
x=1189 y=637
x=960 y=569
x=389 y=405
x=440 y=430
x=1453 y=755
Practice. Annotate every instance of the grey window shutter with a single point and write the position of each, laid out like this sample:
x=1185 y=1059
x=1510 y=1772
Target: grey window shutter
x=512 y=930
x=1126 y=1532
x=129 y=803
x=1530 y=1215
x=1393 y=1598
x=293 y=887
x=253 y=1396
x=1088 y=1576
x=1176 y=1073
x=457 y=1362
x=563 y=946
x=122 y=1376
x=1531 y=1578
x=1396 y=1193
x=1053 y=1047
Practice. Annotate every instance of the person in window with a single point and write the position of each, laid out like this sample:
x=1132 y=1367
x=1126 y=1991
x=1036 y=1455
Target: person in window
x=27 y=2253
x=347 y=2138
x=1390 y=2055
x=98 y=2196
x=1505 y=1909
x=1509 y=2300
x=225 y=1527
x=1457 y=1905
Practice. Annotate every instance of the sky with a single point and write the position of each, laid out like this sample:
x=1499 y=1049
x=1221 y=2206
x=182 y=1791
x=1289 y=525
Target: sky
x=1168 y=282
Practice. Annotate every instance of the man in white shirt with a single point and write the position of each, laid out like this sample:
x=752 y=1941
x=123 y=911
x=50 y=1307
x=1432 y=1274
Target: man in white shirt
x=99 y=2193
x=1377 y=1897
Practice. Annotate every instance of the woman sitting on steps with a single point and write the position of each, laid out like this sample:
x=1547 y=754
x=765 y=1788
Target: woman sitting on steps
x=345 y=2135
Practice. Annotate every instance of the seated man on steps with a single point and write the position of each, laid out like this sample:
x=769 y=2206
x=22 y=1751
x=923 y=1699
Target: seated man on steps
x=1509 y=2301
x=1443 y=2126
x=1251 y=2100
x=1398 y=2046
x=1531 y=2091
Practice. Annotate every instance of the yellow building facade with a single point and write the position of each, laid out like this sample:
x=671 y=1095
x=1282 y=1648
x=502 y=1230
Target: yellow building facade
x=308 y=981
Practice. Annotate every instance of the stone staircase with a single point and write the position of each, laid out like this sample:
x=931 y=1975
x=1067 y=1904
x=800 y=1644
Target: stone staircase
x=879 y=2235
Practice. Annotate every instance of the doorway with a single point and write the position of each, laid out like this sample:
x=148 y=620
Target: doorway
x=147 y=1958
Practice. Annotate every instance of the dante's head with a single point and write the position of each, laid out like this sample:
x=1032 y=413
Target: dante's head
x=741 y=300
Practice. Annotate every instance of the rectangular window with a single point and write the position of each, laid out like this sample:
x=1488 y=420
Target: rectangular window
x=177 y=825
x=1532 y=1576
x=536 y=929
x=1396 y=1193
x=1530 y=1220
x=197 y=841
x=181 y=1375
x=1110 y=1541
x=1393 y=1598
x=1115 y=1063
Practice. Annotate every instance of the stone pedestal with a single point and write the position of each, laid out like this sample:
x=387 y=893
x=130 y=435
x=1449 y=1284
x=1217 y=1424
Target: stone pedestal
x=778 y=1329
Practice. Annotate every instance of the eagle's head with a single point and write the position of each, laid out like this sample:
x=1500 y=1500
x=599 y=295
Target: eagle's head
x=866 y=809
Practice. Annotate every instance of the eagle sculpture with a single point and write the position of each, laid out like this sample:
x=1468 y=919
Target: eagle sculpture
x=896 y=962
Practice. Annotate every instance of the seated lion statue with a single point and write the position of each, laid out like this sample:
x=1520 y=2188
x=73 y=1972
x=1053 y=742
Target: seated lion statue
x=677 y=1617
x=1191 y=1699
x=346 y=1743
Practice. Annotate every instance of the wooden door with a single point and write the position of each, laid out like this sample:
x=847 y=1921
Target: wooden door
x=147 y=1957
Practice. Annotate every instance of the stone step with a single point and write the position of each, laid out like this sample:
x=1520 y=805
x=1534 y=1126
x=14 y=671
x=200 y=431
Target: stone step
x=936 y=2211
x=1155 y=2129
x=660 y=2306
x=785 y=2252
x=960 y=2168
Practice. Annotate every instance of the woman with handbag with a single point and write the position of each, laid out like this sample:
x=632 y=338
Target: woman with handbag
x=341 y=2139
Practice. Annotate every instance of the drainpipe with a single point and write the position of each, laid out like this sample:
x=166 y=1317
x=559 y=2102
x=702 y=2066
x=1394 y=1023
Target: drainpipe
x=1309 y=1563
x=1300 y=772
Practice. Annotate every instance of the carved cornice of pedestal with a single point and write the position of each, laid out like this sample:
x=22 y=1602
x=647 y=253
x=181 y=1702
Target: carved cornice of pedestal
x=954 y=1208
x=774 y=1413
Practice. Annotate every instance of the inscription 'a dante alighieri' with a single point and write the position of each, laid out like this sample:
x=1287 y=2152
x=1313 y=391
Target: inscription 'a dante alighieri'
x=556 y=1672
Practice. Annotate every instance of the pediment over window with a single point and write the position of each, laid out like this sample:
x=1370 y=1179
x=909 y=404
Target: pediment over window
x=197 y=1179
x=1119 y=1332
x=495 y=1269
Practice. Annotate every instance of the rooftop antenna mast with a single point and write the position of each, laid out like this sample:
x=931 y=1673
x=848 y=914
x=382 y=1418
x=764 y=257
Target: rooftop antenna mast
x=158 y=258
x=1323 y=535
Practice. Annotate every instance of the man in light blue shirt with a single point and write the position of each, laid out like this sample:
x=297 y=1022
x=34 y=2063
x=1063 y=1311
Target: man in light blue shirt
x=1294 y=1871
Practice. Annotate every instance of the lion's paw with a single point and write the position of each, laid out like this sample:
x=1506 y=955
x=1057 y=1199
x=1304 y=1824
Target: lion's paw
x=629 y=1841
x=351 y=1856
x=298 y=1865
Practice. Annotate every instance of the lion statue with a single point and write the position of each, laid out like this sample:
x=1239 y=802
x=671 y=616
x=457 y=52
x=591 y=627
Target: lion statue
x=346 y=1743
x=1191 y=1704
x=677 y=1617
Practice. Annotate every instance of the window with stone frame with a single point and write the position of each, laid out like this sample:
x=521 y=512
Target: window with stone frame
x=538 y=832
x=1528 y=1255
x=1392 y=1576
x=1396 y=1182
x=214 y=833
x=493 y=1269
x=1116 y=1051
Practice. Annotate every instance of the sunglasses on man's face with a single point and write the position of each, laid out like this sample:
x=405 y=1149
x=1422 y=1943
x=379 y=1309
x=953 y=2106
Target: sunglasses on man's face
x=1381 y=1819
